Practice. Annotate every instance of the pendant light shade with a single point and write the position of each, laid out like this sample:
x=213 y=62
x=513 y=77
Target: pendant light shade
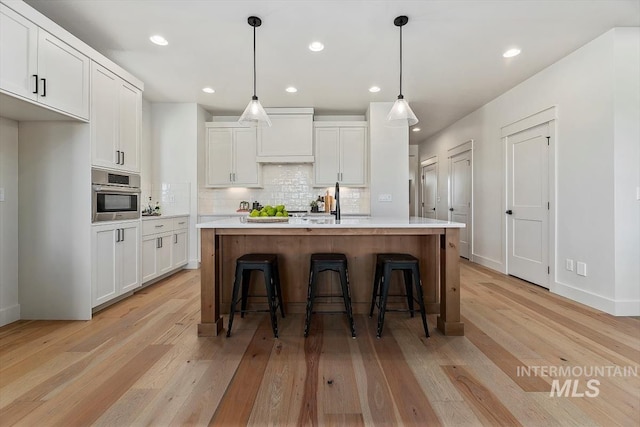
x=401 y=114
x=254 y=114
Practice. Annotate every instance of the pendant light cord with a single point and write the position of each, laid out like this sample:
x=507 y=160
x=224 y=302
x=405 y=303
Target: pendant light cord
x=254 y=63
x=401 y=61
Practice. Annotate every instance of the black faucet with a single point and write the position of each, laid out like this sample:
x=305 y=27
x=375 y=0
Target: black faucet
x=337 y=197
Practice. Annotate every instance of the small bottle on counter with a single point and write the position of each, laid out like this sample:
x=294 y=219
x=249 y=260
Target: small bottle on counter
x=320 y=203
x=157 y=209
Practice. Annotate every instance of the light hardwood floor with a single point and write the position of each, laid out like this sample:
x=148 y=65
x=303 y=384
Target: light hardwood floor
x=140 y=362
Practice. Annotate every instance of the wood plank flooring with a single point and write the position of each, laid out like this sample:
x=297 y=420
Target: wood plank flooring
x=140 y=363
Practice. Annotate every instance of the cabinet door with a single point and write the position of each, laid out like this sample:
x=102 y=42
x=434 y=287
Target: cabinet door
x=18 y=54
x=246 y=168
x=149 y=263
x=129 y=251
x=289 y=135
x=130 y=112
x=219 y=157
x=353 y=156
x=163 y=253
x=180 y=239
x=63 y=75
x=104 y=117
x=327 y=162
x=104 y=271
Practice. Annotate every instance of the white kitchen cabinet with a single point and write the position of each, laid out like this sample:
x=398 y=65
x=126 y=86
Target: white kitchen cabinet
x=165 y=243
x=340 y=154
x=38 y=66
x=231 y=156
x=116 y=113
x=290 y=137
x=116 y=260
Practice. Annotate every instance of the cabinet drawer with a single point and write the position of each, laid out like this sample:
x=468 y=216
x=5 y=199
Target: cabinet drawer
x=181 y=223
x=153 y=226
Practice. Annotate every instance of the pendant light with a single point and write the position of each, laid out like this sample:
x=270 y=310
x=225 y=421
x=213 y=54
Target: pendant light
x=254 y=114
x=401 y=113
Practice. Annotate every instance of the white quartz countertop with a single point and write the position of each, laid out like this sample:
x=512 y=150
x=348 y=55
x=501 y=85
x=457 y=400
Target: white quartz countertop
x=373 y=222
x=147 y=217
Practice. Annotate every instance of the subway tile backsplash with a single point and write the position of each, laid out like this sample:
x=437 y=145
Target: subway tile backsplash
x=287 y=184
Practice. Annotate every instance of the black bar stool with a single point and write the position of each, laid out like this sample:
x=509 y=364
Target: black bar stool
x=410 y=266
x=328 y=262
x=268 y=264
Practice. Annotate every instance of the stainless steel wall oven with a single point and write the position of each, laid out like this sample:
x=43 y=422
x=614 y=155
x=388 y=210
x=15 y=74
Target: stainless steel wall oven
x=115 y=195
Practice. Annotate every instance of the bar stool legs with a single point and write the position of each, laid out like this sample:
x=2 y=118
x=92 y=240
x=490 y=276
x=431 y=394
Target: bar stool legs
x=385 y=264
x=268 y=264
x=328 y=262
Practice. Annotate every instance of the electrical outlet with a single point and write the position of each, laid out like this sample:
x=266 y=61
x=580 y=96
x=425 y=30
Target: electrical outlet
x=1 y=194
x=569 y=264
x=385 y=198
x=582 y=269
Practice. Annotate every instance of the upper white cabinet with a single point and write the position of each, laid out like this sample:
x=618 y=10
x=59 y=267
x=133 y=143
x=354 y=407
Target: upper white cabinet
x=290 y=137
x=340 y=153
x=231 y=156
x=38 y=66
x=116 y=112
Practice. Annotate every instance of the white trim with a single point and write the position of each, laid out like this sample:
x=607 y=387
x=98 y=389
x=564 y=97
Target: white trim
x=533 y=120
x=465 y=146
x=192 y=265
x=608 y=305
x=489 y=263
x=9 y=314
x=326 y=124
x=429 y=161
x=278 y=110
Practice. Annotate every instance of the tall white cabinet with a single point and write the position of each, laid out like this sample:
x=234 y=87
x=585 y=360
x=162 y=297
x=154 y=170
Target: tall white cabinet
x=116 y=115
x=340 y=153
x=39 y=67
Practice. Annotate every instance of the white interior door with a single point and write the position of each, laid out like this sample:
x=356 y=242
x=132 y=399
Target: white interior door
x=460 y=197
x=528 y=205
x=429 y=191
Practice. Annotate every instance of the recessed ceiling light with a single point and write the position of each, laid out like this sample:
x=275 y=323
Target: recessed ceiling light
x=159 y=40
x=316 y=46
x=208 y=89
x=416 y=129
x=511 y=53
x=291 y=89
x=374 y=89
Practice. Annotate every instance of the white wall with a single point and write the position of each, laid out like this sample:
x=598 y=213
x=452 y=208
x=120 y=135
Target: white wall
x=175 y=135
x=583 y=88
x=9 y=306
x=389 y=168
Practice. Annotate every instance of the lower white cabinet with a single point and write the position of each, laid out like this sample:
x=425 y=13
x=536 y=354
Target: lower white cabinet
x=116 y=260
x=164 y=246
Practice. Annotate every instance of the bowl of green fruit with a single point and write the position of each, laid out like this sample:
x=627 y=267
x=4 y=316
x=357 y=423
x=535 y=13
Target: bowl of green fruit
x=269 y=213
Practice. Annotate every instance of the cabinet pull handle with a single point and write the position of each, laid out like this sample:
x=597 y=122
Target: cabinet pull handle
x=122 y=238
x=122 y=161
x=44 y=87
x=117 y=157
x=230 y=177
x=36 y=78
x=117 y=235
x=158 y=226
x=180 y=223
x=175 y=238
x=161 y=241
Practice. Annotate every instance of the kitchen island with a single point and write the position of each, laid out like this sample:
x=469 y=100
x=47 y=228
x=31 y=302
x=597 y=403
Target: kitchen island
x=434 y=242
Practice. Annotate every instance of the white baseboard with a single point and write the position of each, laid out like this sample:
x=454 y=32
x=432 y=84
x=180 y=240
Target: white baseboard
x=9 y=314
x=608 y=305
x=489 y=263
x=192 y=265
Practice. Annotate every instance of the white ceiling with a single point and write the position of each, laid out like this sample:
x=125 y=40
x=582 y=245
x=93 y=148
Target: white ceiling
x=453 y=49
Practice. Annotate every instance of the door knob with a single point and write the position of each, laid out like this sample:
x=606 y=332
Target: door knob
x=509 y=212
x=433 y=209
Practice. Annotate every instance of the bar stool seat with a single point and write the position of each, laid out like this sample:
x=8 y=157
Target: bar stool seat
x=328 y=262
x=386 y=263
x=268 y=264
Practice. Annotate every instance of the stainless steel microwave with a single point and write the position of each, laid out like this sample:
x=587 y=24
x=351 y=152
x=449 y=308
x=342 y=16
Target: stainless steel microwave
x=115 y=196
